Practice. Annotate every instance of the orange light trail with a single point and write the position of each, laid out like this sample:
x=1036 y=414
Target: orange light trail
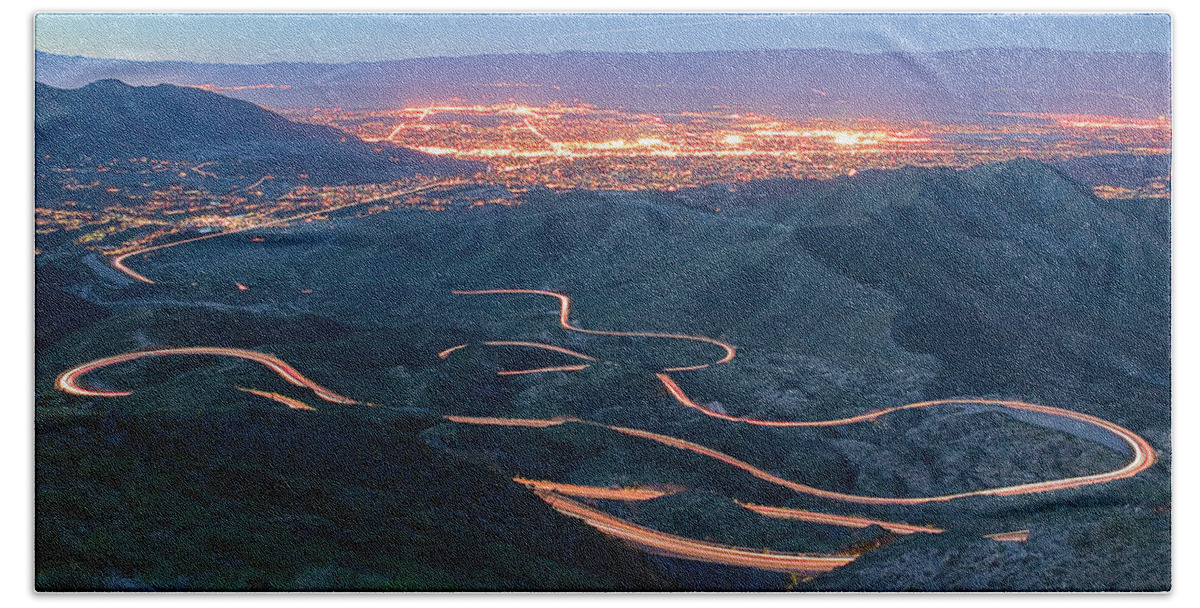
x=659 y=542
x=446 y=353
x=1144 y=456
x=564 y=321
x=677 y=546
x=537 y=423
x=555 y=146
x=1018 y=536
x=560 y=368
x=118 y=262
x=261 y=180
x=295 y=404
x=567 y=489
x=1091 y=124
x=850 y=521
x=640 y=494
x=68 y=381
x=557 y=349
x=201 y=171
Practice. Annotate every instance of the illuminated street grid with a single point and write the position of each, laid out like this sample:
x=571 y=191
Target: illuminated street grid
x=582 y=146
x=564 y=147
x=149 y=217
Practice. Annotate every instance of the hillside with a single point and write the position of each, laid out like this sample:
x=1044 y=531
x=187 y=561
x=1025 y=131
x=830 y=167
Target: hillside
x=108 y=119
x=1008 y=280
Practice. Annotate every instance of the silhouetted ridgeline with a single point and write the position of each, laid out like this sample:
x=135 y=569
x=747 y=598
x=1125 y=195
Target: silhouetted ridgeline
x=935 y=86
x=109 y=119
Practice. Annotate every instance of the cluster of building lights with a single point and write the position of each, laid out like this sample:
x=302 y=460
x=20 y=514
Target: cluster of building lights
x=581 y=146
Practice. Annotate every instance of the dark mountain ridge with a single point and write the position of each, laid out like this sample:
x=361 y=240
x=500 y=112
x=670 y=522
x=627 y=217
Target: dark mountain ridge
x=809 y=82
x=1125 y=170
x=110 y=119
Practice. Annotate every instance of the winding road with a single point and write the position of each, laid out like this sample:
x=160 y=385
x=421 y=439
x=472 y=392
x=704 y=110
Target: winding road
x=295 y=404
x=1142 y=459
x=594 y=492
x=564 y=321
x=1143 y=455
x=118 y=262
x=556 y=494
x=671 y=545
x=68 y=381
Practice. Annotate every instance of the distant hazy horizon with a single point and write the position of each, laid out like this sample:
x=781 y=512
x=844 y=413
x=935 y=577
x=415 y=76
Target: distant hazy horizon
x=528 y=53
x=347 y=38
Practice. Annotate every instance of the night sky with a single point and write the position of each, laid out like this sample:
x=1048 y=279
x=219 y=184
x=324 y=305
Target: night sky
x=263 y=38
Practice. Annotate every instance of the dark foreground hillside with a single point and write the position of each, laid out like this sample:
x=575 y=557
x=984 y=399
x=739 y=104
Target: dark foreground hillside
x=237 y=141
x=252 y=497
x=1007 y=281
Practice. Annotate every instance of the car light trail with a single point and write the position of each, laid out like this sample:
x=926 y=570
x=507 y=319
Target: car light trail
x=1141 y=461
x=847 y=521
x=68 y=381
x=487 y=420
x=686 y=548
x=446 y=353
x=260 y=181
x=654 y=541
x=118 y=262
x=201 y=171
x=1018 y=536
x=1143 y=457
x=557 y=349
x=550 y=347
x=560 y=368
x=567 y=489
x=295 y=404
x=564 y=320
x=637 y=494
x=850 y=521
x=853 y=521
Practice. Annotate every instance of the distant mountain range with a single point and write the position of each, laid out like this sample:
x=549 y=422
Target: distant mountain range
x=109 y=119
x=805 y=83
x=1124 y=170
